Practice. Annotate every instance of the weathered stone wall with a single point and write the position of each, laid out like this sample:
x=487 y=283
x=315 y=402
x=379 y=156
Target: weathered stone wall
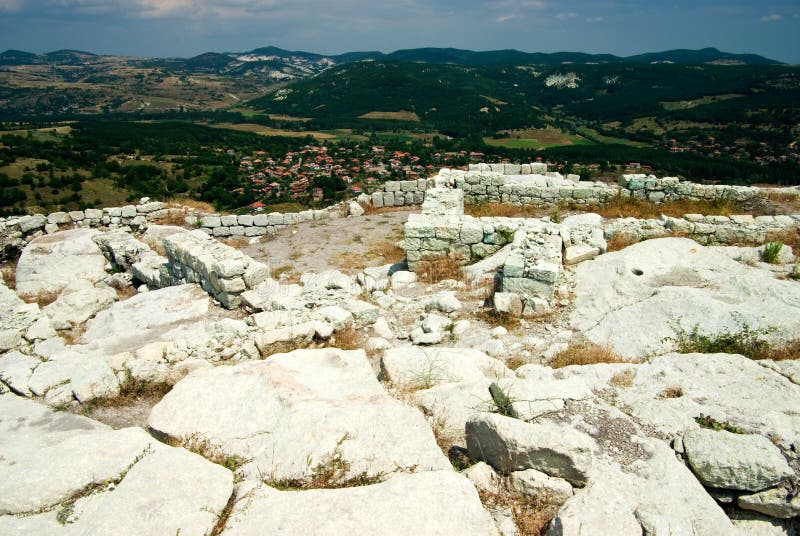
x=485 y=186
x=471 y=239
x=224 y=272
x=706 y=230
x=17 y=231
x=400 y=193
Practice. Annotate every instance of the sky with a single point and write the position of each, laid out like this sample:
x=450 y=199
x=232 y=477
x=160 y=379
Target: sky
x=184 y=28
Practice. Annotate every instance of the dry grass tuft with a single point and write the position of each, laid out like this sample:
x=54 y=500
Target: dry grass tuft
x=515 y=362
x=175 y=216
x=9 y=274
x=369 y=210
x=42 y=298
x=787 y=237
x=487 y=210
x=585 y=353
x=236 y=242
x=348 y=339
x=620 y=241
x=532 y=515
x=783 y=352
x=630 y=207
x=623 y=378
x=388 y=251
x=434 y=269
x=675 y=391
x=785 y=202
x=194 y=205
x=496 y=319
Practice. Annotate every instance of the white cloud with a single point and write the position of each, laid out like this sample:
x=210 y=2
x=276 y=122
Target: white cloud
x=505 y=18
x=774 y=17
x=566 y=16
x=10 y=6
x=595 y=19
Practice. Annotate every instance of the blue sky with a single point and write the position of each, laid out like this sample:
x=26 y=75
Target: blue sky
x=189 y=27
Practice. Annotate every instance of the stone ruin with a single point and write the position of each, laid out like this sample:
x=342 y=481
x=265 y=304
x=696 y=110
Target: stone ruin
x=533 y=251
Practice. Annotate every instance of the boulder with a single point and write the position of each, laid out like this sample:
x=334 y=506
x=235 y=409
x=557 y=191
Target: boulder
x=50 y=263
x=294 y=413
x=445 y=302
x=722 y=459
x=436 y=502
x=513 y=445
x=780 y=502
x=16 y=370
x=355 y=209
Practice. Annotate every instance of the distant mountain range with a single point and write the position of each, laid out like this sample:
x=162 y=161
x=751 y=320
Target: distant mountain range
x=273 y=58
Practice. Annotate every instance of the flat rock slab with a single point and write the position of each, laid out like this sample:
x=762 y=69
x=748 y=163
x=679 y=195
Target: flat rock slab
x=120 y=481
x=414 y=367
x=437 y=502
x=635 y=299
x=294 y=413
x=167 y=314
x=669 y=392
x=50 y=263
x=721 y=459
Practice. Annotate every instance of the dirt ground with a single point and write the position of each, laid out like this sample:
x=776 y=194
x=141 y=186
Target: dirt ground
x=347 y=244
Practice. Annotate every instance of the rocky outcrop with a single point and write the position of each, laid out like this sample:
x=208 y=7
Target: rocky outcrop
x=129 y=483
x=50 y=263
x=436 y=502
x=314 y=407
x=660 y=288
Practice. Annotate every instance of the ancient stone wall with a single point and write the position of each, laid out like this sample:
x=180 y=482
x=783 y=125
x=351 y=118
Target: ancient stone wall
x=400 y=193
x=16 y=231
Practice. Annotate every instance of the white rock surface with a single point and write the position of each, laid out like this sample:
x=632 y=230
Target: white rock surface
x=414 y=367
x=297 y=411
x=50 y=263
x=428 y=503
x=52 y=459
x=633 y=299
x=722 y=459
x=161 y=315
x=78 y=302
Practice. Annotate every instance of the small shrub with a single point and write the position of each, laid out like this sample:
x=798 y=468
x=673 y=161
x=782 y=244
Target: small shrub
x=745 y=341
x=585 y=354
x=434 y=269
x=711 y=424
x=329 y=474
x=788 y=237
x=771 y=252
